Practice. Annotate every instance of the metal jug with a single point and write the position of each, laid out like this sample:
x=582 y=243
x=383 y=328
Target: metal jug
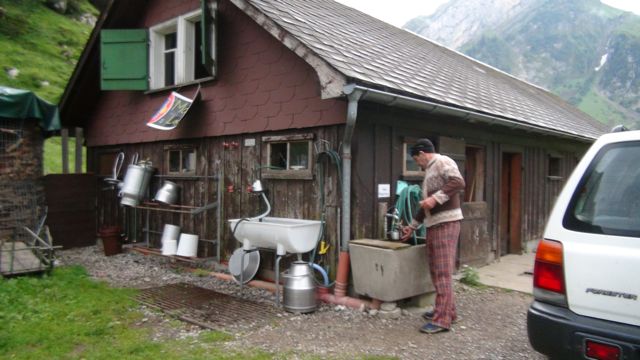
x=299 y=288
x=136 y=182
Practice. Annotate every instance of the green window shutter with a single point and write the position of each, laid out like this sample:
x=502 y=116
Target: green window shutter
x=124 y=59
x=206 y=26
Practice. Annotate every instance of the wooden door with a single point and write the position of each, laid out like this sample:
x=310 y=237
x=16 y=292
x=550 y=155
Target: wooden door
x=511 y=204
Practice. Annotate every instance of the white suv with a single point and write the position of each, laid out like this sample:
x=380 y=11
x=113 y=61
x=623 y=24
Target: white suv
x=587 y=269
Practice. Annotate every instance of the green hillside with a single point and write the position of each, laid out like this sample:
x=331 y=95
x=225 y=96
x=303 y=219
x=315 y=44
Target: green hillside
x=43 y=46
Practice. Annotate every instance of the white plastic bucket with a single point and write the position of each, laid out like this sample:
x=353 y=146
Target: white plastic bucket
x=169 y=247
x=188 y=245
x=170 y=232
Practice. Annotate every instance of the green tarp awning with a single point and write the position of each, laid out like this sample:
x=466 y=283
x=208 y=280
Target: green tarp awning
x=24 y=104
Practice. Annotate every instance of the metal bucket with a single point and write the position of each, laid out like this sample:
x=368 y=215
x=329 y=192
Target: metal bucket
x=136 y=182
x=168 y=193
x=299 y=288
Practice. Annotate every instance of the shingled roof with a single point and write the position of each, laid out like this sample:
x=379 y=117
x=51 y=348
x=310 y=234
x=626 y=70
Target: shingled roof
x=373 y=53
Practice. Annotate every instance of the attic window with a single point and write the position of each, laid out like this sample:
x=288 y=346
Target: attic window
x=176 y=53
x=288 y=157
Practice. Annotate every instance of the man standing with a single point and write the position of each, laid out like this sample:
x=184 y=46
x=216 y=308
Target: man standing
x=440 y=212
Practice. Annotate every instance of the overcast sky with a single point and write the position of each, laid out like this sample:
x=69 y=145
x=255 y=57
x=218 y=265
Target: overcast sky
x=398 y=12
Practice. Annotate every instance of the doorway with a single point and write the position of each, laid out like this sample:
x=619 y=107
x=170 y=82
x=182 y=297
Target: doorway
x=510 y=204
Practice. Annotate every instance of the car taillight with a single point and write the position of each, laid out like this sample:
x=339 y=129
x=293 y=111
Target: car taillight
x=548 y=272
x=601 y=351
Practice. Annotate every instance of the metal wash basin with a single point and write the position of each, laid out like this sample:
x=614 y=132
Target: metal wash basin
x=283 y=234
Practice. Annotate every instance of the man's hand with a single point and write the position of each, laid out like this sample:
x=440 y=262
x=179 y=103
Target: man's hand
x=428 y=203
x=406 y=233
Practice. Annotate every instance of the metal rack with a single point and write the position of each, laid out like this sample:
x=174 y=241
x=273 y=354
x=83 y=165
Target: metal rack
x=32 y=255
x=149 y=207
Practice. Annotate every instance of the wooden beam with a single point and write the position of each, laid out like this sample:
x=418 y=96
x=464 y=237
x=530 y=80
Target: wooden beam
x=79 y=142
x=64 y=133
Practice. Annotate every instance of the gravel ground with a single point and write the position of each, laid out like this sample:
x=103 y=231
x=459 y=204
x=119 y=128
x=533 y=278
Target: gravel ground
x=492 y=326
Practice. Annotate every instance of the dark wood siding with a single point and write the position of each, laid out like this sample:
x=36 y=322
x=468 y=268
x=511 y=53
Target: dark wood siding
x=378 y=159
x=71 y=202
x=240 y=164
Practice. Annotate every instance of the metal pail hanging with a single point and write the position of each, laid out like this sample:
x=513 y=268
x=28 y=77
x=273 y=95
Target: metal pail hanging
x=136 y=182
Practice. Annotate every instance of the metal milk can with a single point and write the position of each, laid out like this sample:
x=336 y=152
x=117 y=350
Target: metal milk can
x=299 y=288
x=136 y=182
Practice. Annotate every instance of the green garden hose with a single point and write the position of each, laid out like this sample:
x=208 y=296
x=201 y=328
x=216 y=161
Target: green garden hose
x=407 y=203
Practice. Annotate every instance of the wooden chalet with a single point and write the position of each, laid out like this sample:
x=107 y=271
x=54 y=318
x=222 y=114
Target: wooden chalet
x=321 y=102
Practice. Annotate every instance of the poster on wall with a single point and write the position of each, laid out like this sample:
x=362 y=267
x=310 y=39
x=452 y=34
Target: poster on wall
x=171 y=112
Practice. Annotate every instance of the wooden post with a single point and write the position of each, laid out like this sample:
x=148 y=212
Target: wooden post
x=64 y=133
x=79 y=141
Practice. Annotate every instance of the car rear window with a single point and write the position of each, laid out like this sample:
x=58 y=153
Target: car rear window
x=607 y=199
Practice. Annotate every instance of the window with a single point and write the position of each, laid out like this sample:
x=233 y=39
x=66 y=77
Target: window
x=170 y=44
x=474 y=174
x=180 y=161
x=288 y=156
x=176 y=51
x=607 y=199
x=409 y=166
x=554 y=167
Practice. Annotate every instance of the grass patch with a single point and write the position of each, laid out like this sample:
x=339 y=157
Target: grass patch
x=470 y=277
x=53 y=155
x=66 y=315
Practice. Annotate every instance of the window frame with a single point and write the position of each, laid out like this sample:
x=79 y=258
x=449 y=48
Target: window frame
x=185 y=28
x=181 y=149
x=411 y=174
x=558 y=163
x=478 y=178
x=271 y=173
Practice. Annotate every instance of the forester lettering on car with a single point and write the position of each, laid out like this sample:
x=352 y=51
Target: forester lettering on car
x=612 y=293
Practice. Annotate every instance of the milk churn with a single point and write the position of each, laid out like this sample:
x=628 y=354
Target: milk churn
x=299 y=288
x=136 y=182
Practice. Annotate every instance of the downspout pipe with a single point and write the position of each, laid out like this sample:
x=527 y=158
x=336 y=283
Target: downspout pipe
x=342 y=277
x=353 y=94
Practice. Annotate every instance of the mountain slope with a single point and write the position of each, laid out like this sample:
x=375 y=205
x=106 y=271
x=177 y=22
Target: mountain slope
x=586 y=52
x=41 y=45
x=39 y=48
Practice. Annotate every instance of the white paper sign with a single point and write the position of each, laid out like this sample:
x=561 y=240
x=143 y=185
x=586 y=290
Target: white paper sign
x=384 y=190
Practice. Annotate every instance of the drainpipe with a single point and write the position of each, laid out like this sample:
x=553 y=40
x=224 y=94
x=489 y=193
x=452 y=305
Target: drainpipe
x=342 y=278
x=354 y=94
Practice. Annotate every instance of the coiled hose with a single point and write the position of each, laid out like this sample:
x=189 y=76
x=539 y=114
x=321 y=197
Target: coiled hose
x=407 y=203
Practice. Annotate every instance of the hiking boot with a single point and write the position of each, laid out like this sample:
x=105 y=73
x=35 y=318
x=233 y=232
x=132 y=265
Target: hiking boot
x=429 y=316
x=431 y=328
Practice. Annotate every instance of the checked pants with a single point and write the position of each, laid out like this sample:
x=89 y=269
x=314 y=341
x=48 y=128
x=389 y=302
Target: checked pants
x=442 y=243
